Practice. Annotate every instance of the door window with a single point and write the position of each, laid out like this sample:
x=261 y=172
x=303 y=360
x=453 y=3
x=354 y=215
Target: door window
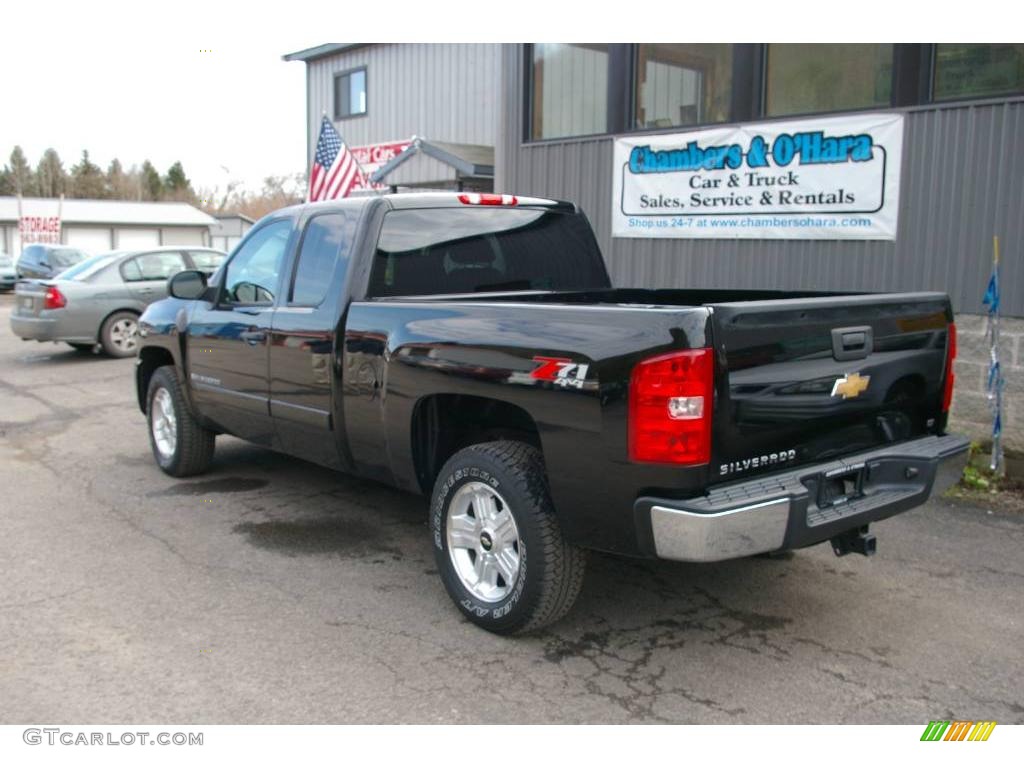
x=252 y=274
x=327 y=241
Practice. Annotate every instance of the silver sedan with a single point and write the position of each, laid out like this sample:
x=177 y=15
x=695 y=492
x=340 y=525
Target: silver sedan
x=97 y=303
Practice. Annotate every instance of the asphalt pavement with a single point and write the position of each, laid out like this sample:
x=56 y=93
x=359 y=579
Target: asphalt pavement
x=274 y=591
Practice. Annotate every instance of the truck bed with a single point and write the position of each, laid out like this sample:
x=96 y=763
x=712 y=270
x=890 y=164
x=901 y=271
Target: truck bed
x=776 y=406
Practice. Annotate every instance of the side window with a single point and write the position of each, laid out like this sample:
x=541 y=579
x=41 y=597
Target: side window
x=130 y=271
x=207 y=261
x=327 y=240
x=153 y=266
x=252 y=273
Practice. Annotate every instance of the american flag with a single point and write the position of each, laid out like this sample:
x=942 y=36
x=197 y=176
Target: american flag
x=335 y=170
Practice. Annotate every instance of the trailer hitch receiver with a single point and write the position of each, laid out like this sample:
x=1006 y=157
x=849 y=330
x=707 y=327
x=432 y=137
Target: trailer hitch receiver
x=857 y=540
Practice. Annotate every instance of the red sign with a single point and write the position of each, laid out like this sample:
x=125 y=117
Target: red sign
x=39 y=229
x=374 y=156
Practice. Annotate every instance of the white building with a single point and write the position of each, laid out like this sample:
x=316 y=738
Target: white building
x=229 y=230
x=103 y=225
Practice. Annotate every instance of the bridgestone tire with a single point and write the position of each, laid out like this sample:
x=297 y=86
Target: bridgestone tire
x=550 y=569
x=193 y=444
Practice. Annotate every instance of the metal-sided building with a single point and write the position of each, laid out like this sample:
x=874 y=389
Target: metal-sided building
x=626 y=131
x=383 y=97
x=103 y=225
x=229 y=230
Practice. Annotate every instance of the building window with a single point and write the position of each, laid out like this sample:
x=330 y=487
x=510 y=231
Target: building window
x=963 y=70
x=350 y=94
x=804 y=78
x=682 y=85
x=570 y=90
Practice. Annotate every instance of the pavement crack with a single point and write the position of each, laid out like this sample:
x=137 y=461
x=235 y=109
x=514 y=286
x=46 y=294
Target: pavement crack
x=42 y=600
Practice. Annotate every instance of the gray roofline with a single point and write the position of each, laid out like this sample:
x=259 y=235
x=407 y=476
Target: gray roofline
x=233 y=216
x=423 y=145
x=319 y=51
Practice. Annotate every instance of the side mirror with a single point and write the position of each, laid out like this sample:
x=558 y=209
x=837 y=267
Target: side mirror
x=190 y=285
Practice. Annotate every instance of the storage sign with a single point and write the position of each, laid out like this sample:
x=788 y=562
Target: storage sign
x=817 y=179
x=39 y=229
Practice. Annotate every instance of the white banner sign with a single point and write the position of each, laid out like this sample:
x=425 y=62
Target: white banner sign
x=830 y=178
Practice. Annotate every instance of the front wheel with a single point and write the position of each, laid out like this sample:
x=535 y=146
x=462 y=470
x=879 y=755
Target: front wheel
x=498 y=545
x=181 y=446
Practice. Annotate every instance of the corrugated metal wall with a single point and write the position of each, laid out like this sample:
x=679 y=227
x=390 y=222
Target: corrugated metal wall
x=962 y=181
x=446 y=92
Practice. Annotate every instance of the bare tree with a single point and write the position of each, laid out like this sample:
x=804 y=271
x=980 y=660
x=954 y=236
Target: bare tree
x=51 y=178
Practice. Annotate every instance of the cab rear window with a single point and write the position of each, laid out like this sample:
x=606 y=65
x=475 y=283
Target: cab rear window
x=424 y=252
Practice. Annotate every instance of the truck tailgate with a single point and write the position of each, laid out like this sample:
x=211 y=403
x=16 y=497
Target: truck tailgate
x=805 y=380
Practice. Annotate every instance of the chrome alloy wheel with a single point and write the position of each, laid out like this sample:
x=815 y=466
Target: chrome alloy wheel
x=164 y=423
x=124 y=334
x=483 y=542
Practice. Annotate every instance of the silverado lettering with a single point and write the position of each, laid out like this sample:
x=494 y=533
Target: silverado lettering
x=756 y=461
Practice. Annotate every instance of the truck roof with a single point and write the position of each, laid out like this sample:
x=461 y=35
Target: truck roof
x=404 y=200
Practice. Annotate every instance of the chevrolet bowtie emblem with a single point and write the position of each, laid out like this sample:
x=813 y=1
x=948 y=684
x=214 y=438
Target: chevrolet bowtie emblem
x=850 y=385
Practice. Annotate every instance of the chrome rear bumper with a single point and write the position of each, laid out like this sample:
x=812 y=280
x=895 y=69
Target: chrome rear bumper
x=781 y=511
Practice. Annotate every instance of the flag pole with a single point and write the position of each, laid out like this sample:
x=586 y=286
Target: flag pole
x=995 y=375
x=21 y=233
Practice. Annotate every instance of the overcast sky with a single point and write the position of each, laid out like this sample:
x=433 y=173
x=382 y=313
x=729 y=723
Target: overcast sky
x=152 y=92
x=133 y=80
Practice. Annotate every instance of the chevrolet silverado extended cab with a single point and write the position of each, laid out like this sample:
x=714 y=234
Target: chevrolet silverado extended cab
x=472 y=348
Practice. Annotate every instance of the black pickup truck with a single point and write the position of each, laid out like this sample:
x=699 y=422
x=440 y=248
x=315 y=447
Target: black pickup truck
x=471 y=347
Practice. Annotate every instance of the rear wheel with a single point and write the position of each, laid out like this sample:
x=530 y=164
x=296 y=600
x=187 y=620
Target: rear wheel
x=181 y=446
x=498 y=545
x=120 y=334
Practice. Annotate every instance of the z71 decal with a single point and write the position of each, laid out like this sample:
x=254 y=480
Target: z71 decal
x=561 y=371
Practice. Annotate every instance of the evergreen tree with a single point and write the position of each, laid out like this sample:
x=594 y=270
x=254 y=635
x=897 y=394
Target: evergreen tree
x=87 y=180
x=152 y=185
x=22 y=179
x=177 y=185
x=51 y=177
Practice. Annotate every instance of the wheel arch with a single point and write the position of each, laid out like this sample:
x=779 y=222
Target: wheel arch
x=111 y=313
x=445 y=423
x=150 y=359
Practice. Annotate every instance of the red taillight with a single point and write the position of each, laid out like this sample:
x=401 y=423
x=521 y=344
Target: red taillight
x=54 y=299
x=670 y=399
x=947 y=390
x=474 y=198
